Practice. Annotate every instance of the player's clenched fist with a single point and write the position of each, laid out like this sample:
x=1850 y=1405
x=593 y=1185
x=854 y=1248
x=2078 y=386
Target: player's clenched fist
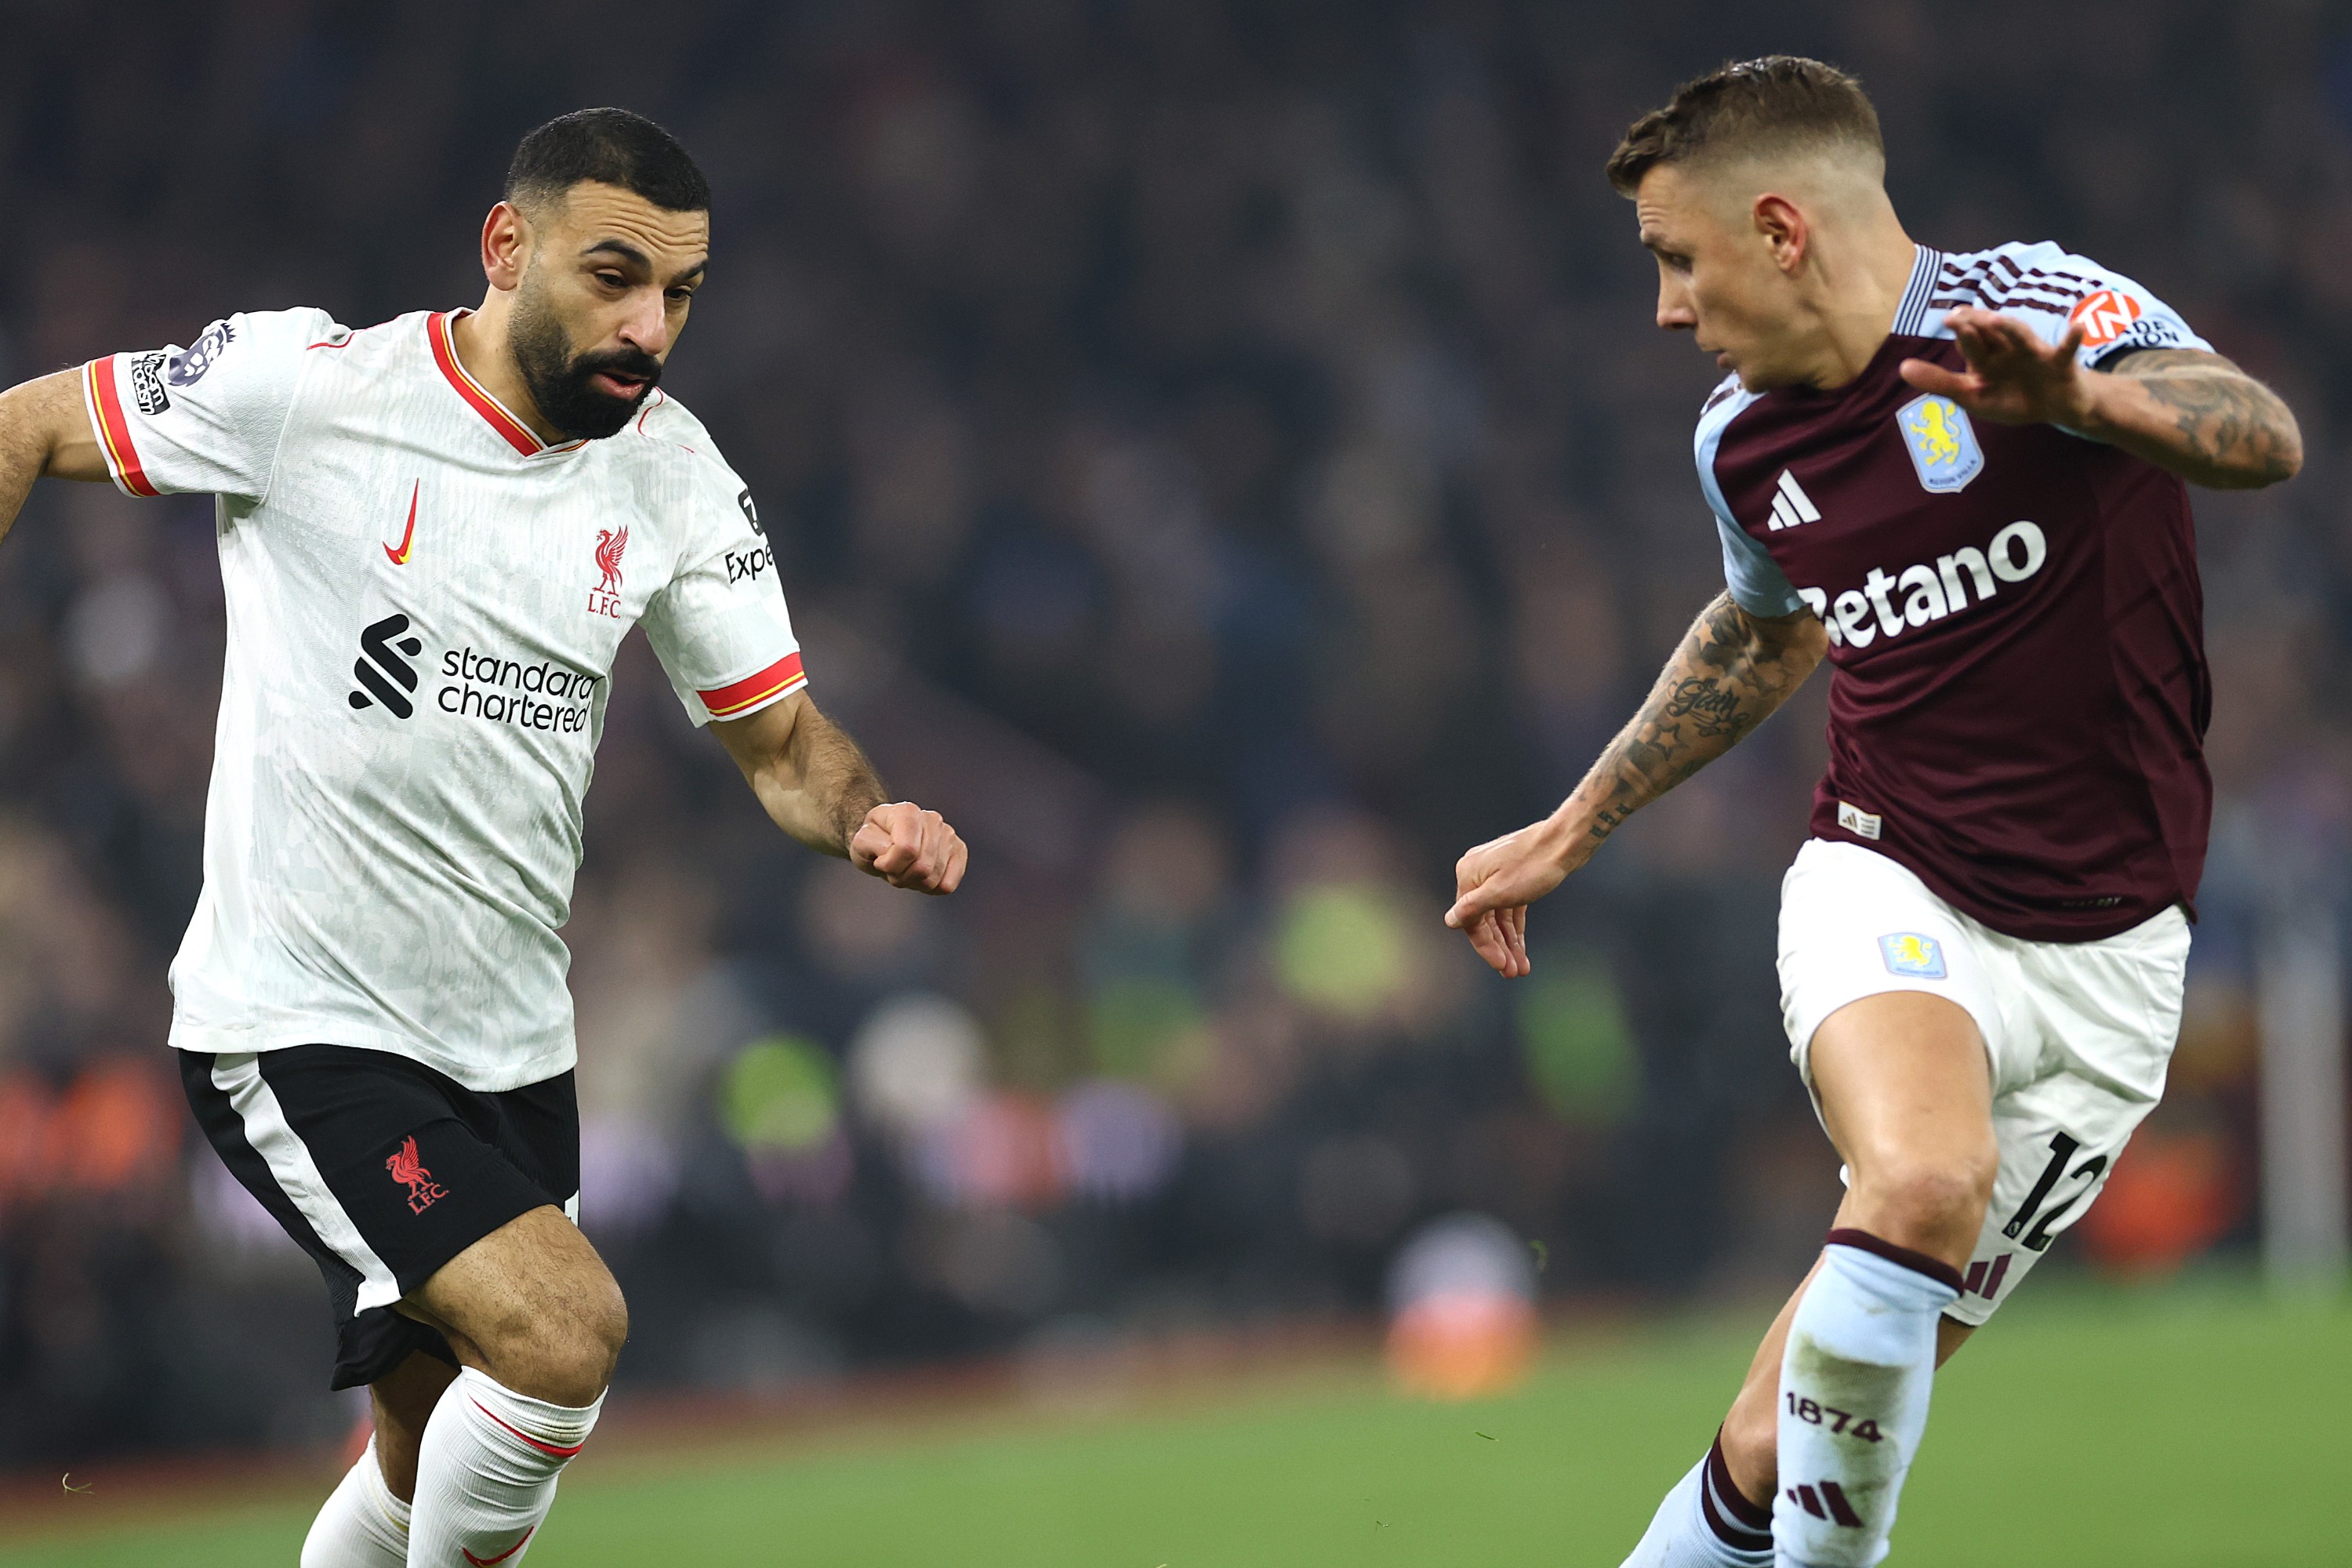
x=908 y=847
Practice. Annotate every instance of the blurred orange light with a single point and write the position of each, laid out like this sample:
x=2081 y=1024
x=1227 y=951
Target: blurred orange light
x=1462 y=1345
x=2171 y=1196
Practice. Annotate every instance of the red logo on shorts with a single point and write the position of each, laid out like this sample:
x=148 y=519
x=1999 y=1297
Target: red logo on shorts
x=407 y=1166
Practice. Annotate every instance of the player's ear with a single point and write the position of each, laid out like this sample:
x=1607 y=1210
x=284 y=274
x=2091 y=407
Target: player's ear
x=1783 y=228
x=506 y=246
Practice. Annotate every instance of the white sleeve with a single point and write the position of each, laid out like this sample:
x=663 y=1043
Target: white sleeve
x=719 y=626
x=204 y=418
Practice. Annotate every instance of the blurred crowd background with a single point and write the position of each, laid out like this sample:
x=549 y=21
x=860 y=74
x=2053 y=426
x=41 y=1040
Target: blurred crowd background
x=1221 y=454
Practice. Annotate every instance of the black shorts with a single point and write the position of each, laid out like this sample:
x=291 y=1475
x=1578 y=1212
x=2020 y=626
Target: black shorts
x=383 y=1170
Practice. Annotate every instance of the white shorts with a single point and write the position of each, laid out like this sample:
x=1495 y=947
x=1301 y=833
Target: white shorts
x=2078 y=1033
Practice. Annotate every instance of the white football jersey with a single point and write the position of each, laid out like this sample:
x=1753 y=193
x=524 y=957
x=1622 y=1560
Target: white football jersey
x=424 y=601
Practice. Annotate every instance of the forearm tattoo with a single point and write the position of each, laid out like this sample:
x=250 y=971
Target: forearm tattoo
x=2228 y=429
x=1729 y=673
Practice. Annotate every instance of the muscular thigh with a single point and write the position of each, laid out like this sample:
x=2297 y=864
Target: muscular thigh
x=1902 y=1085
x=536 y=1277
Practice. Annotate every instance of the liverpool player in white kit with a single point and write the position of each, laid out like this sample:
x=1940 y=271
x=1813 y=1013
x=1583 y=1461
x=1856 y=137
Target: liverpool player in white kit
x=434 y=535
x=1957 y=479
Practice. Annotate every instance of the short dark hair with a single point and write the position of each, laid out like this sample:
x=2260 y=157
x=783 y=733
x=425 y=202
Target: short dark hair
x=1779 y=103
x=612 y=147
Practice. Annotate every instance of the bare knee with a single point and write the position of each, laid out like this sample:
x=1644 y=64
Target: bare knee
x=561 y=1347
x=534 y=1306
x=1934 y=1204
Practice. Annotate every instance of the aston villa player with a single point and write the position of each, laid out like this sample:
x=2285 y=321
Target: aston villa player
x=434 y=534
x=1958 y=477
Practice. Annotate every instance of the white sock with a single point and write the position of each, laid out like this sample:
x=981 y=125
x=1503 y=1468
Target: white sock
x=362 y=1525
x=1705 y=1522
x=486 y=1472
x=1853 y=1398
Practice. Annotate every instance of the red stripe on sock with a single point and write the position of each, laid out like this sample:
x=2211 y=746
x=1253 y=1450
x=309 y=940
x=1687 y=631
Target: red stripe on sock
x=543 y=1448
x=1811 y=1503
x=1935 y=1269
x=517 y=1546
x=1840 y=1511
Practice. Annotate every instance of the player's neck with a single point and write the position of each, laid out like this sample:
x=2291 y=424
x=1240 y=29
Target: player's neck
x=480 y=340
x=1854 y=285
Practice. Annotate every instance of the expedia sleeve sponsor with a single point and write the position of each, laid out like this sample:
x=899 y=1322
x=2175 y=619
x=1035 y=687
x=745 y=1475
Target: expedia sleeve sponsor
x=720 y=625
x=747 y=565
x=541 y=696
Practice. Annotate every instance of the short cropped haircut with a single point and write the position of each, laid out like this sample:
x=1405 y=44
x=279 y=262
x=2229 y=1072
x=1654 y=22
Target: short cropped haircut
x=1781 y=103
x=612 y=147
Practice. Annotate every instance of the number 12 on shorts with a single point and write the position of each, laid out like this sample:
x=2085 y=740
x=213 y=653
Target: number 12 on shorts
x=2063 y=1147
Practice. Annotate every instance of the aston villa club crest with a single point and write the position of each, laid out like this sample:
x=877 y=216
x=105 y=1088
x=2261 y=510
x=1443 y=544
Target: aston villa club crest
x=1942 y=443
x=605 y=598
x=1908 y=952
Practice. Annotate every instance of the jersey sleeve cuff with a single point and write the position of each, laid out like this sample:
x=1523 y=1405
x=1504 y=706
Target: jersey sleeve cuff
x=739 y=699
x=1766 y=605
x=101 y=394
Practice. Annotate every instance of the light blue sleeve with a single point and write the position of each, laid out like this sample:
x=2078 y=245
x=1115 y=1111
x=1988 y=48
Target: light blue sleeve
x=2119 y=315
x=1756 y=582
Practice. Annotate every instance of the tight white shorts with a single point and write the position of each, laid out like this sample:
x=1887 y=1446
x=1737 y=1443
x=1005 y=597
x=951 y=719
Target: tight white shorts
x=2078 y=1035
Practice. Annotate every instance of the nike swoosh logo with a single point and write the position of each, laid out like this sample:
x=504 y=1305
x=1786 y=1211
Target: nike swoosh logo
x=486 y=1562
x=400 y=558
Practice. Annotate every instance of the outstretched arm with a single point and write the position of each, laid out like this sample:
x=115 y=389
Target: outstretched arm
x=1732 y=670
x=2192 y=412
x=818 y=787
x=44 y=432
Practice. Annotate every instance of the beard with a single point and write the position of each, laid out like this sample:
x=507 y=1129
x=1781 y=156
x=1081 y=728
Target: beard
x=560 y=382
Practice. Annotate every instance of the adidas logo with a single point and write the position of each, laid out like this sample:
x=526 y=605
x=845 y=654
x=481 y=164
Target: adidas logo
x=1791 y=505
x=1829 y=1502
x=380 y=657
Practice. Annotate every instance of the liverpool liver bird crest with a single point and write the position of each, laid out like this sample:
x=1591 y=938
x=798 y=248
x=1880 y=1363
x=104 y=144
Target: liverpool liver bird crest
x=609 y=545
x=407 y=1167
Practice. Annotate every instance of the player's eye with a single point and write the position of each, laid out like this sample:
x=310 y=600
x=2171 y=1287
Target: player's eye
x=611 y=280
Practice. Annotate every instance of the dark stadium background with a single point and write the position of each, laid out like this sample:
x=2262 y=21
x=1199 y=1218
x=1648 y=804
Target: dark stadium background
x=1221 y=454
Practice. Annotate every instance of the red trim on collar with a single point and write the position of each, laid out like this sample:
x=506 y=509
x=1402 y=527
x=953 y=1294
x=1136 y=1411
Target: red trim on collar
x=445 y=354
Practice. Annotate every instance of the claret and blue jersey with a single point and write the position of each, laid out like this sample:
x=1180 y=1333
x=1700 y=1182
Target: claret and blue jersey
x=2019 y=691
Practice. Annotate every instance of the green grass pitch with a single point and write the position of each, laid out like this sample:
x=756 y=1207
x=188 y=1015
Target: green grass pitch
x=2198 y=1426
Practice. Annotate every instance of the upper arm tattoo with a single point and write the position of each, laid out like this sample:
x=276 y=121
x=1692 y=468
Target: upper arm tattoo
x=2231 y=427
